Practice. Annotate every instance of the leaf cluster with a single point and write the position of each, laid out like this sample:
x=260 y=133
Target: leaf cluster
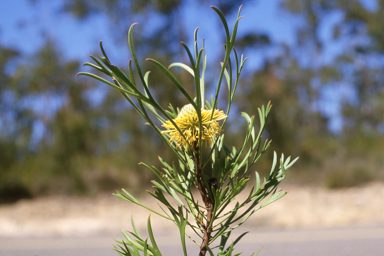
x=230 y=168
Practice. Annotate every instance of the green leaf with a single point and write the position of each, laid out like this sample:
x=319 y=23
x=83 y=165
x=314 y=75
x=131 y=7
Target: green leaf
x=189 y=55
x=102 y=50
x=181 y=225
x=210 y=251
x=132 y=50
x=134 y=228
x=141 y=97
x=130 y=198
x=258 y=251
x=273 y=163
x=174 y=80
x=223 y=20
x=145 y=247
x=183 y=66
x=155 y=251
x=223 y=241
x=105 y=70
x=239 y=238
x=93 y=66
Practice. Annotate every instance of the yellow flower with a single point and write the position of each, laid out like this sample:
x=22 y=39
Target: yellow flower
x=188 y=123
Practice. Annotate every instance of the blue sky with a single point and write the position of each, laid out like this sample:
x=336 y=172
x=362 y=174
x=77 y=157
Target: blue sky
x=22 y=25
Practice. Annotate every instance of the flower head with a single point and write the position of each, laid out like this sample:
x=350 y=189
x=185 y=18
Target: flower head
x=188 y=123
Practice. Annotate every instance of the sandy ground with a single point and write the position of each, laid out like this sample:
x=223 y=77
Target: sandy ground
x=106 y=214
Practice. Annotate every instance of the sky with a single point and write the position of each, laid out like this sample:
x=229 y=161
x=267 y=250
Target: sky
x=24 y=26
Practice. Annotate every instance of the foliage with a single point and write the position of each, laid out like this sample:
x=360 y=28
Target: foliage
x=229 y=174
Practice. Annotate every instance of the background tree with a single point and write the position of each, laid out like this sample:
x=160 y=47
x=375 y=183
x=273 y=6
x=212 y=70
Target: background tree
x=71 y=135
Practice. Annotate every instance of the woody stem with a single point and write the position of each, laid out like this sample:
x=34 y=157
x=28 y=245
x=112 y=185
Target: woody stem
x=209 y=204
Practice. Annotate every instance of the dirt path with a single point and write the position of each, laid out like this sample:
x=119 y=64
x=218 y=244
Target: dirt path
x=301 y=208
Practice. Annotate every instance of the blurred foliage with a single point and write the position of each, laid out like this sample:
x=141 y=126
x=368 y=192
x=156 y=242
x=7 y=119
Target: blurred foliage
x=56 y=139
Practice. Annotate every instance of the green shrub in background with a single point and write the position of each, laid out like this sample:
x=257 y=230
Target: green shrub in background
x=195 y=134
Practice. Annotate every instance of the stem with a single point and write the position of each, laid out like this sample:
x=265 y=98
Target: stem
x=208 y=202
